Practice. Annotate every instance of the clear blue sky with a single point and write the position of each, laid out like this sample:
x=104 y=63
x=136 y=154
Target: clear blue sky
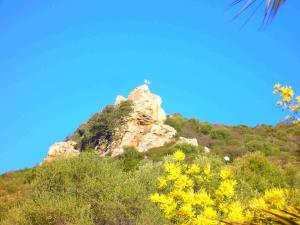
x=62 y=61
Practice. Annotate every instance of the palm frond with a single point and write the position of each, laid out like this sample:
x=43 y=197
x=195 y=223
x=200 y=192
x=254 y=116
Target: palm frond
x=271 y=8
x=282 y=219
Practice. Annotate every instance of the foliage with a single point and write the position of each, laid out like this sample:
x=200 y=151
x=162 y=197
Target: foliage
x=102 y=127
x=14 y=189
x=196 y=195
x=176 y=121
x=282 y=140
x=288 y=102
x=204 y=128
x=256 y=174
x=130 y=158
x=158 y=154
x=89 y=190
x=262 y=146
x=220 y=133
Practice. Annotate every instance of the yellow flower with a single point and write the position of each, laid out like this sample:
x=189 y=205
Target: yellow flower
x=187 y=203
x=207 y=170
x=203 y=199
x=179 y=155
x=275 y=197
x=188 y=197
x=226 y=189
x=163 y=183
x=298 y=99
x=277 y=86
x=186 y=210
x=208 y=217
x=258 y=203
x=173 y=170
x=287 y=94
x=226 y=173
x=182 y=182
x=275 y=91
x=249 y=215
x=155 y=198
x=295 y=108
x=280 y=103
x=235 y=212
x=193 y=169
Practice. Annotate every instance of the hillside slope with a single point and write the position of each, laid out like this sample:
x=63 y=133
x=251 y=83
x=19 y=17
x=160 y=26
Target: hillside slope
x=88 y=189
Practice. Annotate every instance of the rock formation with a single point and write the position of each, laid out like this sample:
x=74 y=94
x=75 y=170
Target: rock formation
x=143 y=129
x=190 y=141
x=62 y=150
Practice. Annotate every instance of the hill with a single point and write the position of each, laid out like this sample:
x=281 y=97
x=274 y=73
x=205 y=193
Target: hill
x=105 y=171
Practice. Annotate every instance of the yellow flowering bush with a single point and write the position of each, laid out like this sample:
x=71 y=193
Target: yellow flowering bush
x=288 y=101
x=186 y=196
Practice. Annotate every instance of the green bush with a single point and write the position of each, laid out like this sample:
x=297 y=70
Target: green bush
x=262 y=146
x=130 y=158
x=158 y=154
x=176 y=121
x=102 y=126
x=15 y=188
x=89 y=190
x=220 y=133
x=256 y=173
x=204 y=128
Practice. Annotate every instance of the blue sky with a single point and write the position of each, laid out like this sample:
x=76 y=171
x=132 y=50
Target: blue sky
x=62 y=61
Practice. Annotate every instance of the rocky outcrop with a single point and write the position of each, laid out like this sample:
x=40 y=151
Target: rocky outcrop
x=190 y=141
x=145 y=128
x=62 y=150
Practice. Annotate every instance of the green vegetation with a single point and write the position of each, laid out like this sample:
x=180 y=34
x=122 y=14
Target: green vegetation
x=281 y=142
x=89 y=190
x=197 y=195
x=14 y=188
x=102 y=127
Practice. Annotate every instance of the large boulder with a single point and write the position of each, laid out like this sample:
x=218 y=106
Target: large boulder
x=190 y=141
x=62 y=150
x=145 y=128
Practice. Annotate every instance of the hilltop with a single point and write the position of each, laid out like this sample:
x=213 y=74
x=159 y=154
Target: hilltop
x=140 y=122
x=105 y=171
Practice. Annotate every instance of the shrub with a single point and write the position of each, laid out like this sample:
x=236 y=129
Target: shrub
x=262 y=146
x=102 y=127
x=196 y=195
x=204 y=128
x=157 y=154
x=257 y=174
x=89 y=190
x=130 y=158
x=14 y=190
x=176 y=121
x=220 y=133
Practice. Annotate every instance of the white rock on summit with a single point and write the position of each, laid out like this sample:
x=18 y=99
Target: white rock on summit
x=145 y=128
